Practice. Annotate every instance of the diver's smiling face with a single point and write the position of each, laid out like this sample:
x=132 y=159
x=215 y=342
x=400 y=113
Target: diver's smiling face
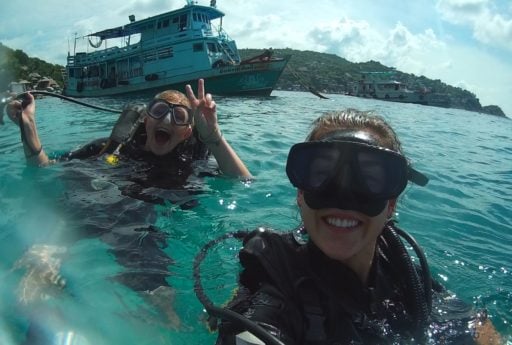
x=163 y=135
x=344 y=235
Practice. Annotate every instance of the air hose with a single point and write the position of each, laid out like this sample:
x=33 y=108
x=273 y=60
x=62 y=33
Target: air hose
x=52 y=94
x=216 y=312
x=420 y=298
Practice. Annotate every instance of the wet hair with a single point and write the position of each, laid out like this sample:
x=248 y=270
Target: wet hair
x=175 y=97
x=353 y=119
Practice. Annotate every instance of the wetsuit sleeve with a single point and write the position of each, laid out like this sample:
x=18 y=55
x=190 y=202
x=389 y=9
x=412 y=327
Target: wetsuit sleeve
x=261 y=297
x=86 y=151
x=266 y=307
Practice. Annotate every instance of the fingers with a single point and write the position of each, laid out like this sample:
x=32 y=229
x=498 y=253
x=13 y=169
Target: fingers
x=14 y=110
x=200 y=88
x=30 y=96
x=210 y=103
x=190 y=94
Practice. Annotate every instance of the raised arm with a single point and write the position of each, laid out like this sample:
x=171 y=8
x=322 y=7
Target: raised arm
x=486 y=334
x=24 y=115
x=205 y=119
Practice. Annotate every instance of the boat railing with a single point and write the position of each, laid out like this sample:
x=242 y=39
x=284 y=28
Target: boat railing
x=227 y=45
x=100 y=55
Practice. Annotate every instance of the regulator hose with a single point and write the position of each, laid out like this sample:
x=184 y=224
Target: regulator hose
x=70 y=99
x=420 y=298
x=215 y=312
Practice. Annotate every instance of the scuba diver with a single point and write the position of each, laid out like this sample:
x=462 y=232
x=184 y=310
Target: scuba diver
x=155 y=148
x=169 y=121
x=344 y=276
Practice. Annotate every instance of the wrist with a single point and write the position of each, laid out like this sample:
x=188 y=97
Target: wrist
x=214 y=137
x=31 y=145
x=32 y=153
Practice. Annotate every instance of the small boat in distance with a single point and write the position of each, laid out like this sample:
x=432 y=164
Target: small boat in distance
x=168 y=51
x=380 y=85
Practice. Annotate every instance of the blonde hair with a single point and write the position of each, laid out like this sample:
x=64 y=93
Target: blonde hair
x=354 y=119
x=174 y=97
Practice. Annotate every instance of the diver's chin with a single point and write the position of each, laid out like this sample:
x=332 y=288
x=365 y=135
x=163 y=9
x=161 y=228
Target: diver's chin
x=162 y=151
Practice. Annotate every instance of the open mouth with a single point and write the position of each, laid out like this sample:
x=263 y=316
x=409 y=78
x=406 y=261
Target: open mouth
x=162 y=136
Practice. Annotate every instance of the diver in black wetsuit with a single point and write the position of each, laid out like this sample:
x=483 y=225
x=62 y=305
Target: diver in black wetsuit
x=154 y=147
x=169 y=120
x=345 y=276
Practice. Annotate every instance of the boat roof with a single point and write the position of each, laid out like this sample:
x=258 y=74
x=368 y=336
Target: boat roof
x=138 y=26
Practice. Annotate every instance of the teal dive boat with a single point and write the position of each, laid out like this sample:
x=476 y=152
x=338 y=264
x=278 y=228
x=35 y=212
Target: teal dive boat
x=168 y=51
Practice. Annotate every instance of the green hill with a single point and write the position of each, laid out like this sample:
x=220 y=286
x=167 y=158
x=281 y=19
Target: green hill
x=16 y=65
x=330 y=73
x=326 y=73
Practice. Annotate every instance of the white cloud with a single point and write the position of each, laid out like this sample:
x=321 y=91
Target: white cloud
x=415 y=39
x=489 y=23
x=494 y=29
x=358 y=41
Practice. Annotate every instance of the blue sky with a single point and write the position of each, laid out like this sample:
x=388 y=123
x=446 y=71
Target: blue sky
x=465 y=43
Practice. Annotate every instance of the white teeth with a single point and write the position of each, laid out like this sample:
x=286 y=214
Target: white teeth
x=341 y=223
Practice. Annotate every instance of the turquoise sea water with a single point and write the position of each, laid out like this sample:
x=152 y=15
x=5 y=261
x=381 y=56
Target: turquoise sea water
x=462 y=218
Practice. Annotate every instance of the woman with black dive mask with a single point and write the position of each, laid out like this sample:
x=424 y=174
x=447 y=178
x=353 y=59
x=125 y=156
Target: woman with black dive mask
x=352 y=281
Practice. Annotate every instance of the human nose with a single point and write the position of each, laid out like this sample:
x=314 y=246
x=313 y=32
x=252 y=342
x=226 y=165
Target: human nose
x=168 y=118
x=344 y=178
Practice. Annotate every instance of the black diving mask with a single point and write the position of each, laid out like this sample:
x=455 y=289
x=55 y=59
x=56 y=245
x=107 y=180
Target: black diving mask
x=349 y=171
x=180 y=114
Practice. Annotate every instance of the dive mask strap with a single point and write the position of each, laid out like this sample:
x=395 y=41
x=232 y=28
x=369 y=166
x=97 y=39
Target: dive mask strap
x=416 y=177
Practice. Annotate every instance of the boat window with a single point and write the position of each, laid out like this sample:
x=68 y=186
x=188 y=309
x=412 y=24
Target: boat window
x=164 y=23
x=195 y=17
x=212 y=47
x=150 y=56
x=135 y=66
x=94 y=71
x=122 y=69
x=198 y=47
x=165 y=53
x=183 y=22
x=175 y=20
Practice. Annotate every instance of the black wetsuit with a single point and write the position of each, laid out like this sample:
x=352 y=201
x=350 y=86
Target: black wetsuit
x=303 y=297
x=116 y=203
x=167 y=172
x=117 y=215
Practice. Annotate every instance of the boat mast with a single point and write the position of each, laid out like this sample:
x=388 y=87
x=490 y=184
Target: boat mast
x=74 y=46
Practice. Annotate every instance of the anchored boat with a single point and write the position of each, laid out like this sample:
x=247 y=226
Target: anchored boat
x=379 y=85
x=168 y=51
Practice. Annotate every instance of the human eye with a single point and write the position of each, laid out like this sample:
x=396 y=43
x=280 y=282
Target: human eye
x=181 y=115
